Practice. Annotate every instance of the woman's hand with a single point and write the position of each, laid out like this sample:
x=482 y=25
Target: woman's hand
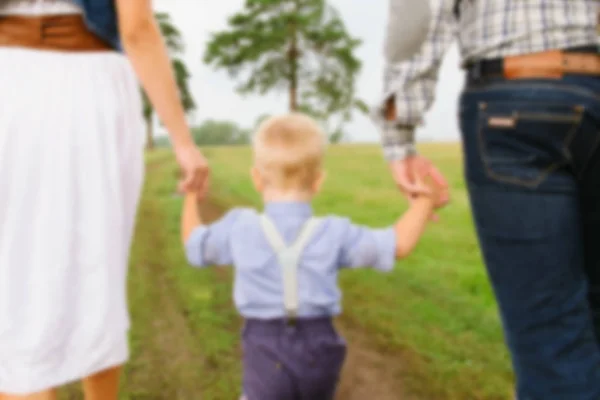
x=195 y=169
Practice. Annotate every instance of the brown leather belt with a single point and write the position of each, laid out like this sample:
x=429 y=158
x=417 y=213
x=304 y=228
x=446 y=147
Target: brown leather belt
x=545 y=65
x=50 y=32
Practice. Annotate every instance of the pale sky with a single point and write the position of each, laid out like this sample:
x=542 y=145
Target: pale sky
x=214 y=91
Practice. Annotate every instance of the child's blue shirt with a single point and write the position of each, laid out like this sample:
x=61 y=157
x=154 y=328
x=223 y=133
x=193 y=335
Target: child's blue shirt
x=238 y=239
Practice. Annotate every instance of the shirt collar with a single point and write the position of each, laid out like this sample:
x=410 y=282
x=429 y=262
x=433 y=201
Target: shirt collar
x=289 y=208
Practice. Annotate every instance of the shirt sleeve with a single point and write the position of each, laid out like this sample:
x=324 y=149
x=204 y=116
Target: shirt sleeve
x=410 y=76
x=211 y=244
x=404 y=40
x=367 y=247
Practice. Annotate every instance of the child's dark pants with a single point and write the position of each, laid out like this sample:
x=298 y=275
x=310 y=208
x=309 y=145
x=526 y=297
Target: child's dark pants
x=291 y=361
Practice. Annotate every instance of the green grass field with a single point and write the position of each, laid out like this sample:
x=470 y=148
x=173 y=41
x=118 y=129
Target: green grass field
x=432 y=322
x=437 y=305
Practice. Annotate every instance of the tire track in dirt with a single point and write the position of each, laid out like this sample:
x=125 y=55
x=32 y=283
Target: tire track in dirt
x=166 y=362
x=370 y=373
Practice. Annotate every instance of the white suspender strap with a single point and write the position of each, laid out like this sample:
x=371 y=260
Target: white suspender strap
x=289 y=258
x=272 y=234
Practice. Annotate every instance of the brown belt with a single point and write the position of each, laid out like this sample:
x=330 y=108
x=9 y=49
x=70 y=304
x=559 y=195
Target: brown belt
x=552 y=64
x=49 y=32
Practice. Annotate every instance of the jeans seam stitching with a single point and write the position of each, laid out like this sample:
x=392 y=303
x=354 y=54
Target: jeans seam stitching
x=531 y=184
x=571 y=136
x=593 y=150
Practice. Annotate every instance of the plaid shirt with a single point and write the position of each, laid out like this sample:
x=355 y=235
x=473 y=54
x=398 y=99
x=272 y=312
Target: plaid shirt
x=486 y=29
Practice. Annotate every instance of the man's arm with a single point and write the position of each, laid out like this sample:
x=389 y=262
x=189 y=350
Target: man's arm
x=409 y=83
x=404 y=40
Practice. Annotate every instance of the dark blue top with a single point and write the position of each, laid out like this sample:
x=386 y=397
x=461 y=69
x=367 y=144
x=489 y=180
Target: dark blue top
x=101 y=18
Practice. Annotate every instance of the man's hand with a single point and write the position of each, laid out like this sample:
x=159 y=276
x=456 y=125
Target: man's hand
x=408 y=174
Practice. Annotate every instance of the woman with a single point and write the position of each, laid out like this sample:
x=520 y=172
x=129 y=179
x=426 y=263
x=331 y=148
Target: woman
x=71 y=169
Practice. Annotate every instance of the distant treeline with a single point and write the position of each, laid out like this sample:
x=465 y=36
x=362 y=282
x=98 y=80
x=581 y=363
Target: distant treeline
x=226 y=133
x=215 y=133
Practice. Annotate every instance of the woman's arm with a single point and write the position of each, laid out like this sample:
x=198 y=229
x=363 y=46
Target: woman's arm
x=145 y=47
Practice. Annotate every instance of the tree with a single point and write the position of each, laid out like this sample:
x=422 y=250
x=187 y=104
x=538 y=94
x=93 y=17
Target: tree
x=300 y=46
x=213 y=132
x=174 y=42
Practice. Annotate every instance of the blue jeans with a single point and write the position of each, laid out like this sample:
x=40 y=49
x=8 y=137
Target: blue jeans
x=532 y=165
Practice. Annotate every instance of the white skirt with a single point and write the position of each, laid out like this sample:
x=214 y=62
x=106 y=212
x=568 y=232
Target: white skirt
x=71 y=170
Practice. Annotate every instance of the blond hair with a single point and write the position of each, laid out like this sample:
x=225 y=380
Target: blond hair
x=289 y=150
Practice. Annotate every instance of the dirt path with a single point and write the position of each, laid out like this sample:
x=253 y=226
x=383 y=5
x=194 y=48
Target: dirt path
x=167 y=363
x=369 y=372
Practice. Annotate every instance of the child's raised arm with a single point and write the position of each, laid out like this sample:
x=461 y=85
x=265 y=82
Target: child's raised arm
x=411 y=225
x=190 y=217
x=206 y=244
x=380 y=248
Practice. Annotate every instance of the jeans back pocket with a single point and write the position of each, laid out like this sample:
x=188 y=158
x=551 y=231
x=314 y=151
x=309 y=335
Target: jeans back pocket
x=523 y=143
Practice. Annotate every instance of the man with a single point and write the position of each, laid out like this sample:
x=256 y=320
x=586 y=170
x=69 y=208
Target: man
x=530 y=122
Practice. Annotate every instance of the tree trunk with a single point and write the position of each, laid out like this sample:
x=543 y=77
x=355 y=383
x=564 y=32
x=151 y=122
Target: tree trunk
x=293 y=60
x=149 y=132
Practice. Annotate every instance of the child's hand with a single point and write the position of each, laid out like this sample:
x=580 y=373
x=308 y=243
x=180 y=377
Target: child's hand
x=190 y=215
x=432 y=191
x=194 y=195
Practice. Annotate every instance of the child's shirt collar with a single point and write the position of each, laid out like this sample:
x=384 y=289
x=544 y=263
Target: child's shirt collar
x=289 y=208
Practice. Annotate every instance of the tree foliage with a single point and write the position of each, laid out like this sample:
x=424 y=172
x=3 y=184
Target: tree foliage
x=174 y=42
x=298 y=46
x=214 y=132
